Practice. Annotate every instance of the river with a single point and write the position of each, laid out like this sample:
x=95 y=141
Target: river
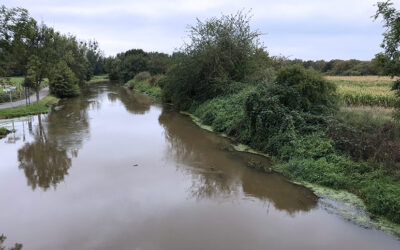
x=113 y=170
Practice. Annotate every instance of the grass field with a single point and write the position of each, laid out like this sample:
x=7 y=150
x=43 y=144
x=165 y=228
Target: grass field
x=365 y=90
x=32 y=109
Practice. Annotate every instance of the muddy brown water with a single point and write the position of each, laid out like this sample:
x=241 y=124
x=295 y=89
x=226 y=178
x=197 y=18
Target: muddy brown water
x=113 y=170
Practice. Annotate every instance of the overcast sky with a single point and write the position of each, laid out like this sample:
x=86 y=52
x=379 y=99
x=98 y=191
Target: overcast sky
x=306 y=29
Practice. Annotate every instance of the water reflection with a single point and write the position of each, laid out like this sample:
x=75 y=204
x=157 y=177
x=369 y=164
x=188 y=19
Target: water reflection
x=134 y=103
x=68 y=125
x=57 y=138
x=43 y=163
x=217 y=172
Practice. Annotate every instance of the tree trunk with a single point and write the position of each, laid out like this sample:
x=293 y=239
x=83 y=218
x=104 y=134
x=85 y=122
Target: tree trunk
x=37 y=93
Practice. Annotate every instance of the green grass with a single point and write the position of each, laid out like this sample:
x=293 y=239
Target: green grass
x=365 y=90
x=33 y=109
x=98 y=78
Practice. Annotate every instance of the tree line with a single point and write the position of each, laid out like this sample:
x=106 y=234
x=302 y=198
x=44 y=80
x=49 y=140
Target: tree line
x=36 y=51
x=337 y=67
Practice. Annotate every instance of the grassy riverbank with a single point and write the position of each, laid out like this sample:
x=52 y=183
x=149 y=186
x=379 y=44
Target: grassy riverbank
x=147 y=84
x=98 y=78
x=33 y=109
x=322 y=156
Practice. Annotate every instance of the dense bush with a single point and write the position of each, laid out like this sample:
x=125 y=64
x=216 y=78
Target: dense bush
x=142 y=76
x=306 y=90
x=63 y=82
x=221 y=52
x=368 y=141
x=144 y=85
x=382 y=198
x=225 y=114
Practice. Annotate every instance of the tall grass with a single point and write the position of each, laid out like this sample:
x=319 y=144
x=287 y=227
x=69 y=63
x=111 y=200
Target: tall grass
x=365 y=90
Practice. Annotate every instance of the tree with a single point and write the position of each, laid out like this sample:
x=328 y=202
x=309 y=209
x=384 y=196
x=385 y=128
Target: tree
x=390 y=58
x=220 y=51
x=16 y=29
x=63 y=82
x=95 y=57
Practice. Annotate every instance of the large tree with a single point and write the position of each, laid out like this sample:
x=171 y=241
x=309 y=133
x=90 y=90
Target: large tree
x=390 y=58
x=219 y=52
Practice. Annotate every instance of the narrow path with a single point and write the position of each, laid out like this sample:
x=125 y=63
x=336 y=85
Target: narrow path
x=42 y=93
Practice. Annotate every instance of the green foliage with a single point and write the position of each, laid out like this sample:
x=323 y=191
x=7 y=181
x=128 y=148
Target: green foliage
x=221 y=52
x=225 y=113
x=126 y=65
x=33 y=77
x=382 y=198
x=145 y=87
x=310 y=93
x=95 y=57
x=63 y=82
x=142 y=76
x=390 y=58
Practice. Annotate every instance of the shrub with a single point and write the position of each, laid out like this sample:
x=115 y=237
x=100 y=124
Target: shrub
x=63 y=82
x=313 y=92
x=142 y=76
x=221 y=51
x=224 y=113
x=382 y=198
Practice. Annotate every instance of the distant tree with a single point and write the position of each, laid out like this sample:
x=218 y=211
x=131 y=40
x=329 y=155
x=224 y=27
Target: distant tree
x=158 y=63
x=95 y=57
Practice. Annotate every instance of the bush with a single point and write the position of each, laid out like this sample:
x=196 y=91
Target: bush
x=142 y=76
x=311 y=92
x=224 y=114
x=63 y=82
x=320 y=171
x=382 y=198
x=222 y=51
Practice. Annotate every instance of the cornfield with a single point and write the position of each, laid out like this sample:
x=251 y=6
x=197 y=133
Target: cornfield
x=365 y=90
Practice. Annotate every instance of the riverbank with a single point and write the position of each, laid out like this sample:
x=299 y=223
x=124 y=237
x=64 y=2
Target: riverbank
x=339 y=193
x=97 y=79
x=336 y=201
x=32 y=109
